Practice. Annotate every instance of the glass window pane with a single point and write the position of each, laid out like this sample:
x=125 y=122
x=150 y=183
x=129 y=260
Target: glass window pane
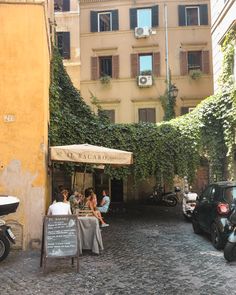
x=104 y=22
x=144 y=18
x=145 y=64
x=192 y=16
x=106 y=66
x=194 y=60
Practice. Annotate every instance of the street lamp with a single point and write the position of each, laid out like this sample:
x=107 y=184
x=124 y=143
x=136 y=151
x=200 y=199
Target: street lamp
x=173 y=91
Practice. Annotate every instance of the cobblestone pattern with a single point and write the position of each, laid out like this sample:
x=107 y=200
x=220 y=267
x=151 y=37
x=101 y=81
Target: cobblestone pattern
x=151 y=251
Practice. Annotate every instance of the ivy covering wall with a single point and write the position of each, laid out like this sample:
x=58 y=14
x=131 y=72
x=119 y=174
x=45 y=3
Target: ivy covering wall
x=165 y=149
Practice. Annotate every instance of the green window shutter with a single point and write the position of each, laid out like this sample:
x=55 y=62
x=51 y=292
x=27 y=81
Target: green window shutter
x=181 y=9
x=66 y=45
x=94 y=68
x=183 y=63
x=66 y=5
x=134 y=65
x=133 y=18
x=115 y=20
x=151 y=115
x=155 y=16
x=93 y=21
x=203 y=14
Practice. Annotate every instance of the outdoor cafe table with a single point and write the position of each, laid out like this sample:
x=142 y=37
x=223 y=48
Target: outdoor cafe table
x=90 y=237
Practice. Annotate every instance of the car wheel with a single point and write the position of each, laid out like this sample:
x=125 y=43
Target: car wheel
x=216 y=237
x=196 y=227
x=230 y=251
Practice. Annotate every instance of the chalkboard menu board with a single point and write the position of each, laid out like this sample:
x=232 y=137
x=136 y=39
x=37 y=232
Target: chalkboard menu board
x=60 y=237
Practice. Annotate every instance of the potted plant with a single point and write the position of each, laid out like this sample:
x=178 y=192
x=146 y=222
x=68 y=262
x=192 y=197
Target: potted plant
x=105 y=79
x=195 y=74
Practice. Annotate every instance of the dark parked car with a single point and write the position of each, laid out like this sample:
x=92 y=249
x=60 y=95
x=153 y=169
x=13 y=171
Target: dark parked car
x=213 y=210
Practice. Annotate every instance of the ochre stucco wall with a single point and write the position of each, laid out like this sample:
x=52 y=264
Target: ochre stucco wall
x=24 y=84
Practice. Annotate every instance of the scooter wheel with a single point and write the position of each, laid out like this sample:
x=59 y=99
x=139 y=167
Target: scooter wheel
x=4 y=247
x=230 y=252
x=171 y=201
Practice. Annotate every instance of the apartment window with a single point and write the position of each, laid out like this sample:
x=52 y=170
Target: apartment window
x=147 y=115
x=61 y=5
x=194 y=60
x=104 y=21
x=63 y=43
x=186 y=110
x=144 y=17
x=193 y=15
x=110 y=114
x=105 y=66
x=145 y=64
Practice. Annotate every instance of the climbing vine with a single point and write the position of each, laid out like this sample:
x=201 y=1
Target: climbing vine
x=165 y=149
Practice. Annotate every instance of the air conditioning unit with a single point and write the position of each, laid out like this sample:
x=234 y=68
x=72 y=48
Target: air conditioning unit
x=142 y=32
x=144 y=81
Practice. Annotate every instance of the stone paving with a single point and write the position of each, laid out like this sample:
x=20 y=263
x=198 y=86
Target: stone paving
x=151 y=251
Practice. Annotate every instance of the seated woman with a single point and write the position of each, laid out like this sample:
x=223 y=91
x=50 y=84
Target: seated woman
x=91 y=203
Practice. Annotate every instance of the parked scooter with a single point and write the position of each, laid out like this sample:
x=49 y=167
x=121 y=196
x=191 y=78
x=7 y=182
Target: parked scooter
x=230 y=247
x=8 y=204
x=189 y=203
x=160 y=197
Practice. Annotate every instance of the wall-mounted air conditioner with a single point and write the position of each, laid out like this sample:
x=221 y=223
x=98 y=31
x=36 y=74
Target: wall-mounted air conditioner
x=142 y=32
x=144 y=81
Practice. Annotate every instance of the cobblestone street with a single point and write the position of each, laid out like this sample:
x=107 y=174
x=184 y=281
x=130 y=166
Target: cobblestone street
x=152 y=251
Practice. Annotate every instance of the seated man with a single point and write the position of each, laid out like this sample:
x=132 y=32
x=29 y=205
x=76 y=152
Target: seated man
x=105 y=203
x=76 y=201
x=60 y=207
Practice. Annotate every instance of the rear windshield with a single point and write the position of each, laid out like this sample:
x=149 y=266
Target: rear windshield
x=230 y=194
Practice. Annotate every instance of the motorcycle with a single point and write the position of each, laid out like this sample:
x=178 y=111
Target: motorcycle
x=160 y=197
x=8 y=204
x=230 y=247
x=188 y=204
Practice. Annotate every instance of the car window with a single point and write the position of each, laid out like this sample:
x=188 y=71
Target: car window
x=206 y=193
x=230 y=194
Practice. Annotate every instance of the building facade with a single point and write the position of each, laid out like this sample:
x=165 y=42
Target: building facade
x=24 y=114
x=124 y=54
x=68 y=36
x=223 y=20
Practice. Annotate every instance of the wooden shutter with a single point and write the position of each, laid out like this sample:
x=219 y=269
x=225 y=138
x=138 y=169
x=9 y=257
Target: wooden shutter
x=115 y=67
x=134 y=65
x=151 y=115
x=155 y=16
x=205 y=62
x=147 y=115
x=66 y=45
x=115 y=20
x=93 y=21
x=183 y=63
x=94 y=68
x=184 y=110
x=133 y=18
x=181 y=10
x=66 y=5
x=156 y=64
x=203 y=14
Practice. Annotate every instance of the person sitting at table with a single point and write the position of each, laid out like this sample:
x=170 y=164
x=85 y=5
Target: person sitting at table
x=105 y=203
x=60 y=207
x=65 y=194
x=76 y=201
x=91 y=203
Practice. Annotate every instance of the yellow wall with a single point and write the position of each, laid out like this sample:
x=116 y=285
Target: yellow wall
x=123 y=94
x=24 y=83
